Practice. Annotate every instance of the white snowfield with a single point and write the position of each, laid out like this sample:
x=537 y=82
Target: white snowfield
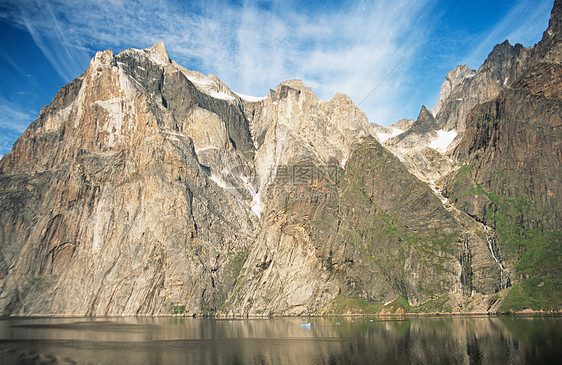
x=443 y=140
x=251 y=98
x=383 y=137
x=220 y=95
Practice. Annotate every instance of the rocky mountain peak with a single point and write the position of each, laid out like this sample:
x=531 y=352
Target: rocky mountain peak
x=549 y=49
x=454 y=78
x=102 y=59
x=160 y=50
x=555 y=23
x=424 y=124
x=297 y=85
x=502 y=57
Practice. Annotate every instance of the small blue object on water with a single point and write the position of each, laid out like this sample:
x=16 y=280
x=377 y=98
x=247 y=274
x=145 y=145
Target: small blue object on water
x=306 y=325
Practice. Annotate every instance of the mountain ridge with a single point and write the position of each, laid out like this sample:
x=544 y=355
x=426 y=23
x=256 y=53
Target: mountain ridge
x=145 y=188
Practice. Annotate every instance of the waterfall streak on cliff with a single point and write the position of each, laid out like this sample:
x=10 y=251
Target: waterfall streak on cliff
x=504 y=281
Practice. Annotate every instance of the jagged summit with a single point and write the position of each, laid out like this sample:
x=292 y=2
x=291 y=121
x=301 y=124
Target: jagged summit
x=549 y=49
x=160 y=50
x=297 y=85
x=156 y=53
x=454 y=78
x=555 y=23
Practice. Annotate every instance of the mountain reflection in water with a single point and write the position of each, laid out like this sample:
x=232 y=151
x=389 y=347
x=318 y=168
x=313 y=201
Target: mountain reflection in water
x=178 y=340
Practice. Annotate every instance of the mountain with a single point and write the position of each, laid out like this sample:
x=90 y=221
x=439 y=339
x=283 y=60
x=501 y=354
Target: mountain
x=145 y=188
x=511 y=157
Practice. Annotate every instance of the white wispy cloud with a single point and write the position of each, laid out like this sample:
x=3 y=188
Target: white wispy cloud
x=13 y=118
x=13 y=121
x=254 y=45
x=251 y=46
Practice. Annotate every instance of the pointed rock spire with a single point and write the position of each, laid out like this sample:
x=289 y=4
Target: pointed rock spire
x=159 y=50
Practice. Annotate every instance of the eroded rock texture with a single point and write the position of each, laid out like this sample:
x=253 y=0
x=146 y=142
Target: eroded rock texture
x=147 y=188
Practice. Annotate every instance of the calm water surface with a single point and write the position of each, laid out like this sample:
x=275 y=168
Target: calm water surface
x=460 y=340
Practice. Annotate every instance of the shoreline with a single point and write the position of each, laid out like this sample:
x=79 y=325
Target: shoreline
x=524 y=313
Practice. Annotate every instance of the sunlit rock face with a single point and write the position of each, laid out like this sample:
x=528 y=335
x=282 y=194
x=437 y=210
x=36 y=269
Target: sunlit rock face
x=147 y=188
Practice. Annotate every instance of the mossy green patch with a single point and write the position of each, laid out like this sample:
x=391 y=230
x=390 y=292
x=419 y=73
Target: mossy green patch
x=353 y=305
x=438 y=305
x=538 y=293
x=178 y=309
x=237 y=261
x=401 y=303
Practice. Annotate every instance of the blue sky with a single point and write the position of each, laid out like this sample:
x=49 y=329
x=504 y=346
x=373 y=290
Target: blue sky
x=347 y=46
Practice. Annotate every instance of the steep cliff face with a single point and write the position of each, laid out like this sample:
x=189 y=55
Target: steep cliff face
x=511 y=152
x=369 y=231
x=107 y=205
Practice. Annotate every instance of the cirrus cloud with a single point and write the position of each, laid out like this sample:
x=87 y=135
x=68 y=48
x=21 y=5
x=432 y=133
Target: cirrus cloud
x=347 y=46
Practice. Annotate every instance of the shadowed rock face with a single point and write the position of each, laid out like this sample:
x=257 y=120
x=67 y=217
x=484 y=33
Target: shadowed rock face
x=511 y=152
x=513 y=141
x=147 y=188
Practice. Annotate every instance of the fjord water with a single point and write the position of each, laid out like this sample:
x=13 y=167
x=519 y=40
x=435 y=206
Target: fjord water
x=175 y=340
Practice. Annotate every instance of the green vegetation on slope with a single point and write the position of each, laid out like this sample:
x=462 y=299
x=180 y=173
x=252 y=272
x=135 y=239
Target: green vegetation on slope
x=394 y=218
x=353 y=305
x=537 y=293
x=526 y=236
x=400 y=305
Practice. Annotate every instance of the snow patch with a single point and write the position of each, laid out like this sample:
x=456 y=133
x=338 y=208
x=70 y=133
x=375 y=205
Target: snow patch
x=172 y=133
x=251 y=98
x=390 y=301
x=221 y=95
x=383 y=137
x=217 y=181
x=132 y=78
x=257 y=207
x=203 y=81
x=443 y=140
x=157 y=59
x=208 y=86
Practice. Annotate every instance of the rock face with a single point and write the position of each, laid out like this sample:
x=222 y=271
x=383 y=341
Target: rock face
x=512 y=154
x=108 y=207
x=147 y=188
